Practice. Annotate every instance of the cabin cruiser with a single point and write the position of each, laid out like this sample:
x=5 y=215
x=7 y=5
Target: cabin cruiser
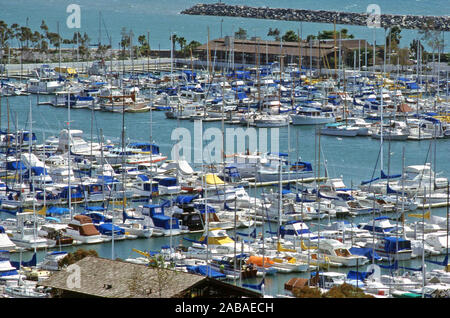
x=265 y=167
x=43 y=85
x=340 y=130
x=78 y=146
x=82 y=229
x=415 y=180
x=312 y=116
x=135 y=224
x=267 y=120
x=26 y=233
x=163 y=222
x=381 y=226
x=338 y=252
x=391 y=248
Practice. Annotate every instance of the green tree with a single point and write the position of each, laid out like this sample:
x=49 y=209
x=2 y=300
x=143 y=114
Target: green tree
x=35 y=39
x=5 y=33
x=345 y=35
x=144 y=48
x=190 y=48
x=240 y=34
x=25 y=34
x=310 y=37
x=290 y=36
x=74 y=257
x=125 y=41
x=182 y=42
x=43 y=46
x=174 y=39
x=54 y=39
x=329 y=34
x=394 y=36
x=274 y=33
x=326 y=35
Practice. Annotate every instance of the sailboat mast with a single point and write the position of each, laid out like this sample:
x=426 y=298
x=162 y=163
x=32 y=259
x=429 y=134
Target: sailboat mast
x=68 y=154
x=30 y=145
x=381 y=116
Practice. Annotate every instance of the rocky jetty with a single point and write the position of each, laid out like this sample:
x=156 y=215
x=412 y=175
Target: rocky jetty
x=439 y=23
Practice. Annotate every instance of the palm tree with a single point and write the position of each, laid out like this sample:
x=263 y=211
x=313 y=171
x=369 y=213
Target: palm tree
x=25 y=35
x=174 y=39
x=182 y=42
x=190 y=47
x=5 y=35
x=44 y=37
x=290 y=36
x=241 y=34
x=145 y=47
x=125 y=41
x=275 y=33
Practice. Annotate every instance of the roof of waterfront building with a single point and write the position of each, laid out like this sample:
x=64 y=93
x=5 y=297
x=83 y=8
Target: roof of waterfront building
x=254 y=45
x=100 y=277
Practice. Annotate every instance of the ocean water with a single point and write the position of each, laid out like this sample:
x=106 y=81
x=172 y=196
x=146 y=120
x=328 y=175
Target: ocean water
x=161 y=18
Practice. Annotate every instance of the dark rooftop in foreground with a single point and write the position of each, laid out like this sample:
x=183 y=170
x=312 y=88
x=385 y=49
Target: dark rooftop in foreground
x=100 y=277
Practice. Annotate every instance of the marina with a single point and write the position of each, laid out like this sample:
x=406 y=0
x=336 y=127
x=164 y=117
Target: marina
x=267 y=175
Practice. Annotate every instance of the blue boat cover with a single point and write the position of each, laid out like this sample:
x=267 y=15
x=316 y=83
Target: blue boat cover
x=385 y=176
x=95 y=208
x=30 y=263
x=367 y=252
x=54 y=210
x=254 y=286
x=205 y=271
x=168 y=182
x=183 y=199
x=251 y=234
x=143 y=177
x=106 y=228
x=201 y=208
x=359 y=275
x=394 y=244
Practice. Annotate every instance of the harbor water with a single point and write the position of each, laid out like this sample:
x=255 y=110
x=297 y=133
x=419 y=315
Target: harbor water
x=353 y=159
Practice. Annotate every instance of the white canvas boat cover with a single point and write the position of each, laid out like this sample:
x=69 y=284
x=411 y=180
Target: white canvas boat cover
x=184 y=167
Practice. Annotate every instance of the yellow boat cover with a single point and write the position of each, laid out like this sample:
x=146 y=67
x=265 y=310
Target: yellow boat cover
x=213 y=179
x=425 y=216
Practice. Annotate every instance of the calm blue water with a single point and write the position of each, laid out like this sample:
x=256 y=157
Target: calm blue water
x=160 y=18
x=352 y=158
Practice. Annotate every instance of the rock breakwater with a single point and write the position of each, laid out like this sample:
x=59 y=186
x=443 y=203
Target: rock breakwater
x=439 y=23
